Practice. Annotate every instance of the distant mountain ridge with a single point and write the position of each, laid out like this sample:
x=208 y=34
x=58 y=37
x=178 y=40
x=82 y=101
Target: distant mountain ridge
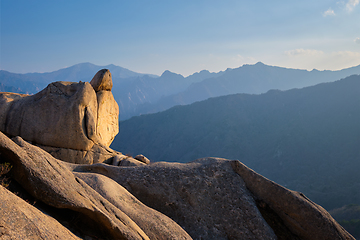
x=253 y=79
x=130 y=90
x=33 y=82
x=138 y=93
x=306 y=139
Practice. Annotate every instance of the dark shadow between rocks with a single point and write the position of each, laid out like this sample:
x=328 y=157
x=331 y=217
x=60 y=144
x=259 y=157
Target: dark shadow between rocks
x=275 y=222
x=76 y=222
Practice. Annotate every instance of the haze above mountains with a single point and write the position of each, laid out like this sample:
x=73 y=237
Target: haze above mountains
x=139 y=94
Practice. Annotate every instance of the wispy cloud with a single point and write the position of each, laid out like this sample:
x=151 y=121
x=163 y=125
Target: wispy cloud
x=303 y=52
x=346 y=54
x=329 y=12
x=357 y=40
x=351 y=4
x=310 y=59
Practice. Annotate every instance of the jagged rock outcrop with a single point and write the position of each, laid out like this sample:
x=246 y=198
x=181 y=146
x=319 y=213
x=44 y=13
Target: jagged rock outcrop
x=116 y=217
x=300 y=215
x=219 y=195
x=75 y=122
x=107 y=124
x=209 y=198
x=62 y=115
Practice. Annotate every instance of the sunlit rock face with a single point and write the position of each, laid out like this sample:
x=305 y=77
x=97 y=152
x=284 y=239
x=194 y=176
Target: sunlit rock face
x=66 y=118
x=210 y=198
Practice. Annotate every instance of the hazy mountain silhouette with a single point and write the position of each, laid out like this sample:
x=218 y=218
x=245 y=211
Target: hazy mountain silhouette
x=138 y=93
x=131 y=89
x=306 y=139
x=33 y=82
x=4 y=88
x=255 y=79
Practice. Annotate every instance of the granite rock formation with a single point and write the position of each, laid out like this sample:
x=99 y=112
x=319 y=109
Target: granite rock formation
x=113 y=196
x=209 y=198
x=50 y=181
x=21 y=220
x=75 y=122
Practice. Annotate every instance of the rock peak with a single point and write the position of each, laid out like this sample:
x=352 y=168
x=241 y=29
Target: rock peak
x=102 y=80
x=167 y=73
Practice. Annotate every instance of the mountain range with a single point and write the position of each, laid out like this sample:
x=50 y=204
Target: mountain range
x=254 y=79
x=139 y=94
x=33 y=82
x=305 y=139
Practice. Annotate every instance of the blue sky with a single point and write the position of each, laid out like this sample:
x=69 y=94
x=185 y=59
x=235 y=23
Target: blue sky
x=180 y=36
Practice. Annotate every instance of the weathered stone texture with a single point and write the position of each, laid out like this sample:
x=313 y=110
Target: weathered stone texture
x=102 y=80
x=107 y=126
x=71 y=120
x=50 y=180
x=20 y=220
x=207 y=198
x=62 y=115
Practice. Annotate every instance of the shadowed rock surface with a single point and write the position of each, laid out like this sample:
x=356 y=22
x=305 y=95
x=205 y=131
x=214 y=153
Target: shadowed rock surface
x=152 y=222
x=303 y=217
x=216 y=198
x=20 y=220
x=209 y=198
x=197 y=196
x=46 y=179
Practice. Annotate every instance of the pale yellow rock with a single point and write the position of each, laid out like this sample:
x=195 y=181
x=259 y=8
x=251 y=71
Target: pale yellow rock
x=129 y=161
x=107 y=126
x=102 y=80
x=76 y=122
x=50 y=181
x=62 y=115
x=97 y=154
x=6 y=100
x=142 y=158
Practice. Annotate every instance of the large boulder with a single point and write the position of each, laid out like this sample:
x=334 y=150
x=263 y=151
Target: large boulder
x=209 y=198
x=102 y=81
x=214 y=198
x=6 y=100
x=21 y=220
x=155 y=224
x=65 y=116
x=62 y=115
x=94 y=199
x=107 y=125
x=302 y=217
